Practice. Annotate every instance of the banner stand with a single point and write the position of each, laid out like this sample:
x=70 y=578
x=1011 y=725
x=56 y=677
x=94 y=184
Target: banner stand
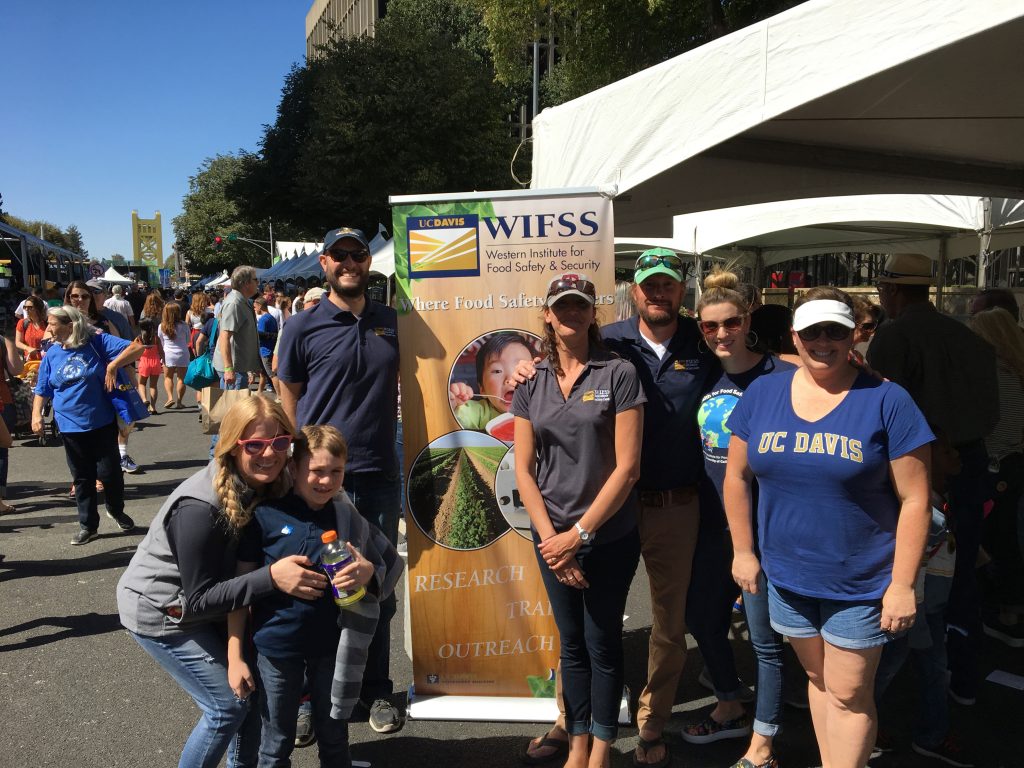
x=495 y=709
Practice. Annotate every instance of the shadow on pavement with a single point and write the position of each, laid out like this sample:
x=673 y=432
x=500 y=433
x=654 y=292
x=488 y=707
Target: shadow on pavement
x=117 y=558
x=66 y=626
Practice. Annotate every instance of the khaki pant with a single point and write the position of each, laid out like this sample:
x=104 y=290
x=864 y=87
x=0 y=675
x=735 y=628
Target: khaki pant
x=668 y=536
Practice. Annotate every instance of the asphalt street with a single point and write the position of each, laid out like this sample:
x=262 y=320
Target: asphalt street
x=77 y=690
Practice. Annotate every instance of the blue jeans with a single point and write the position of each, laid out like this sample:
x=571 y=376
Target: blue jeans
x=709 y=603
x=197 y=660
x=282 y=681
x=377 y=496
x=768 y=646
x=10 y=416
x=241 y=382
x=590 y=629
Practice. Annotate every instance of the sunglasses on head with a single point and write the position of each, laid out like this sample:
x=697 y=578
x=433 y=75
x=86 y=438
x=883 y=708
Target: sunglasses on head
x=257 y=445
x=571 y=284
x=339 y=255
x=834 y=331
x=657 y=259
x=730 y=324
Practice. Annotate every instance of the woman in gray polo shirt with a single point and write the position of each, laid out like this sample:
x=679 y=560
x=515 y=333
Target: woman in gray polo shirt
x=578 y=428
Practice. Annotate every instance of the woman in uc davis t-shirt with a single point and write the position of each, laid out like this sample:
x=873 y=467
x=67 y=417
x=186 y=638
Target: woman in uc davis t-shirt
x=841 y=462
x=725 y=325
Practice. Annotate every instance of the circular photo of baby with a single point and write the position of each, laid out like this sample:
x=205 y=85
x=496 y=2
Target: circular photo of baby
x=480 y=387
x=451 y=490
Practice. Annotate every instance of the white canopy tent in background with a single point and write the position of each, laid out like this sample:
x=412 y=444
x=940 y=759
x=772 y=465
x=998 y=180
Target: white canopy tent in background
x=113 y=276
x=829 y=98
x=943 y=227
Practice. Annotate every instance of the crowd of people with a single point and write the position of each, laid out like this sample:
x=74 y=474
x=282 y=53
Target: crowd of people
x=838 y=472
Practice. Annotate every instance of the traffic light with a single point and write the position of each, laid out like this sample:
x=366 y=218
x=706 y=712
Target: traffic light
x=218 y=243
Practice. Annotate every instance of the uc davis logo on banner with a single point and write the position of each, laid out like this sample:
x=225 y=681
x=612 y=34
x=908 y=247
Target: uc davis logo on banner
x=443 y=246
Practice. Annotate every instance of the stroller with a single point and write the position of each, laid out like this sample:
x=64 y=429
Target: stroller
x=23 y=406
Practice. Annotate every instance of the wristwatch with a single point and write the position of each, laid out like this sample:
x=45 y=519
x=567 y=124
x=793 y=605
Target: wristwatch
x=585 y=536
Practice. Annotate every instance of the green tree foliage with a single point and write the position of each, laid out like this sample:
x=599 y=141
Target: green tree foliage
x=208 y=210
x=598 y=43
x=413 y=110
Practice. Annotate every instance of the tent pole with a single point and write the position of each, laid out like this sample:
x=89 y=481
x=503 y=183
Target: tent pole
x=985 y=239
x=940 y=280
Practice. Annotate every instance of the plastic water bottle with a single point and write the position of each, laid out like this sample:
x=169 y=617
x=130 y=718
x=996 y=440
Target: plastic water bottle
x=334 y=557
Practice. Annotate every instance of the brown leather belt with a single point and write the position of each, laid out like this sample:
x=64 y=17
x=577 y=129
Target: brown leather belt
x=682 y=495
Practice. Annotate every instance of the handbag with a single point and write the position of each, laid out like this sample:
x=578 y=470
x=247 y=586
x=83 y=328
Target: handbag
x=224 y=400
x=124 y=397
x=23 y=396
x=200 y=373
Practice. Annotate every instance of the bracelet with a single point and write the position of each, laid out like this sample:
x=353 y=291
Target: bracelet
x=228 y=369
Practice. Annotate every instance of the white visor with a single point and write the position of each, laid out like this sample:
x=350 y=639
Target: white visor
x=822 y=311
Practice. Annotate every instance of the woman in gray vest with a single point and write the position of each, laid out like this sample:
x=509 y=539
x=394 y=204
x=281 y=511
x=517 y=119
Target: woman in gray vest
x=180 y=585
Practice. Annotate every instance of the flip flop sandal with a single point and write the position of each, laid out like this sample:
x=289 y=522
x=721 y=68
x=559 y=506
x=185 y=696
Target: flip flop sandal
x=647 y=745
x=560 y=747
x=7 y=509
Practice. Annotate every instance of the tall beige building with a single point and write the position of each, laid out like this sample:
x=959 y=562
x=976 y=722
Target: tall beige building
x=328 y=19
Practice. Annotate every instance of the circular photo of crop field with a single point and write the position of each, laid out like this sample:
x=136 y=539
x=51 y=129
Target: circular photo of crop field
x=451 y=490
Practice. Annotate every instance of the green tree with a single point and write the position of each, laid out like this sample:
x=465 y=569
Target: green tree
x=209 y=210
x=71 y=238
x=413 y=110
x=598 y=43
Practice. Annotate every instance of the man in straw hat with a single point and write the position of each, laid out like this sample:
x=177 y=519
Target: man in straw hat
x=951 y=374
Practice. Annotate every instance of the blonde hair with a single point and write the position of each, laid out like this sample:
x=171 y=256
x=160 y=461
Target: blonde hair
x=81 y=329
x=228 y=484
x=171 y=318
x=722 y=287
x=315 y=437
x=996 y=326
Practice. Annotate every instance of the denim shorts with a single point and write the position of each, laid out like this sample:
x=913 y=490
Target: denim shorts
x=849 y=624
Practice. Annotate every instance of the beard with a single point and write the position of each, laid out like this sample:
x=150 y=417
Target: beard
x=656 y=317
x=349 y=292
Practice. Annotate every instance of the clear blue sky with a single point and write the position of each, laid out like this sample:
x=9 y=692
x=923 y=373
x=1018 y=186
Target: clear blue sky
x=110 y=105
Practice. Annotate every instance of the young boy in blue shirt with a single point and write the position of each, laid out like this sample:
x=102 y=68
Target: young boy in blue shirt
x=293 y=635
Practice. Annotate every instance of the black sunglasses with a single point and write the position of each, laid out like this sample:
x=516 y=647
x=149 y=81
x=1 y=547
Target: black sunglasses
x=867 y=326
x=656 y=259
x=340 y=255
x=730 y=324
x=834 y=331
x=571 y=284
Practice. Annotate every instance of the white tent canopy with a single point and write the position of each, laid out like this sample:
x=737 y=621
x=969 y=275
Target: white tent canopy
x=829 y=98
x=789 y=229
x=113 y=276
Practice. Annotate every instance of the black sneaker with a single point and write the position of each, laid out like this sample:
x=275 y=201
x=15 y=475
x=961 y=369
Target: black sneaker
x=1010 y=634
x=124 y=522
x=948 y=751
x=385 y=717
x=304 y=734
x=84 y=536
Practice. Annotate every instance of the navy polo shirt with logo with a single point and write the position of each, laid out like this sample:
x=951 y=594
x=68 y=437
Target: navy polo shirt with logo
x=348 y=367
x=671 y=456
x=574 y=437
x=285 y=626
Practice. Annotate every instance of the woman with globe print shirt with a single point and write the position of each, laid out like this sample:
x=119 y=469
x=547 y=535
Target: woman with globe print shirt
x=725 y=325
x=841 y=462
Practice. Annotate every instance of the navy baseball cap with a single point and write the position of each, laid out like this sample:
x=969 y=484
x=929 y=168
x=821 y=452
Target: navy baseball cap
x=345 y=232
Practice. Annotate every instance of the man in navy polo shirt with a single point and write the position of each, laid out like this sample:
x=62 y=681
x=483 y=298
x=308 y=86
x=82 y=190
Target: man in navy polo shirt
x=338 y=364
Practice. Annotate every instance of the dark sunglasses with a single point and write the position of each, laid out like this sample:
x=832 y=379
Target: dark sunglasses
x=254 y=446
x=81 y=296
x=730 y=324
x=867 y=326
x=571 y=284
x=654 y=260
x=834 y=331
x=340 y=255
